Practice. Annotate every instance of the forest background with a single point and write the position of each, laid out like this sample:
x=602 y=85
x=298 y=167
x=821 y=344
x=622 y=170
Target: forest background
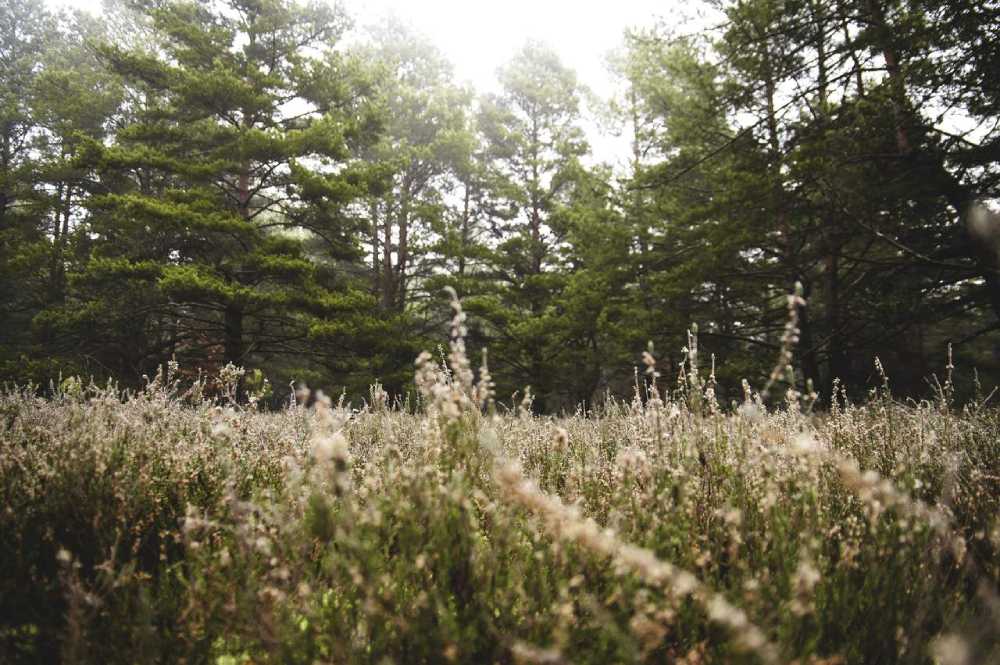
x=254 y=182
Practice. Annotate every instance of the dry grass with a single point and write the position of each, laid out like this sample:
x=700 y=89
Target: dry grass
x=164 y=528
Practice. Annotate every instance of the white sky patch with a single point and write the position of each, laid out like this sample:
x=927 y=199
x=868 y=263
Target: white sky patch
x=479 y=37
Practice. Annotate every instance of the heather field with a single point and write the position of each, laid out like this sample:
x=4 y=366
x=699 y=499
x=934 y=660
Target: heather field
x=206 y=205
x=166 y=527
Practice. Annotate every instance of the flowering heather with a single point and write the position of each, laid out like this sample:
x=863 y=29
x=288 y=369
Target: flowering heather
x=162 y=527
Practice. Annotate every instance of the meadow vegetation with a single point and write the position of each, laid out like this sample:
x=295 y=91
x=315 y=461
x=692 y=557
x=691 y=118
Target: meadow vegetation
x=164 y=526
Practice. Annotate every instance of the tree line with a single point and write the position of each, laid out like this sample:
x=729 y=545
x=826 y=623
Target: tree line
x=258 y=182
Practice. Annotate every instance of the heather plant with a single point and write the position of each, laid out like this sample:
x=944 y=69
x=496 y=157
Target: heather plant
x=164 y=526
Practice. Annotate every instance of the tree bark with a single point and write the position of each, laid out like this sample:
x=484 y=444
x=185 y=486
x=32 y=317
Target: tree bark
x=836 y=357
x=464 y=230
x=810 y=364
x=402 y=253
x=387 y=285
x=233 y=350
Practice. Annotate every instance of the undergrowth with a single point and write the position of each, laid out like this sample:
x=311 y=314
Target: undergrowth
x=164 y=527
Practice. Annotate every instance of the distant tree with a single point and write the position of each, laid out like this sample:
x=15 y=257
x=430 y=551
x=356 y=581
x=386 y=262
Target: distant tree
x=60 y=98
x=598 y=324
x=533 y=144
x=810 y=151
x=26 y=31
x=424 y=143
x=239 y=146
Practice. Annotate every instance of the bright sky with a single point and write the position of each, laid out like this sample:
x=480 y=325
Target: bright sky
x=479 y=36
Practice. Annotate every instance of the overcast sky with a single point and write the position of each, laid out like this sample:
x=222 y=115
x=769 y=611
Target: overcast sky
x=479 y=36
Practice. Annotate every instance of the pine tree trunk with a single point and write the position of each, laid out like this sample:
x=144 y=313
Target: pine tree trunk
x=836 y=358
x=402 y=254
x=387 y=285
x=535 y=220
x=234 y=350
x=897 y=85
x=810 y=364
x=5 y=168
x=376 y=265
x=465 y=231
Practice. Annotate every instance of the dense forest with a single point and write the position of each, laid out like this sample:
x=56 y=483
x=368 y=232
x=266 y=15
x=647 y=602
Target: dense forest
x=262 y=183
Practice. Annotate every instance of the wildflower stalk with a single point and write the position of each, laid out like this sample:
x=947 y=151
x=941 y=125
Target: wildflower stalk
x=789 y=338
x=566 y=523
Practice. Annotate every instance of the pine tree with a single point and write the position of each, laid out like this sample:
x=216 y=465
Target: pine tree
x=26 y=31
x=56 y=97
x=533 y=147
x=424 y=142
x=245 y=125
